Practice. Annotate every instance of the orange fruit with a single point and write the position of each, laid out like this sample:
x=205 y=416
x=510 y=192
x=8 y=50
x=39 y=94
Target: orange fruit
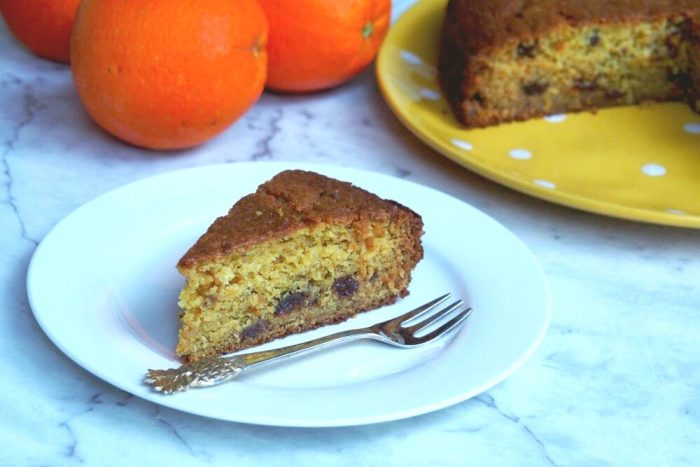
x=42 y=25
x=168 y=74
x=318 y=44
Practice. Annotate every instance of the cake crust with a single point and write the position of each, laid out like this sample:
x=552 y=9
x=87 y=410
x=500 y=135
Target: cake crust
x=496 y=23
x=290 y=201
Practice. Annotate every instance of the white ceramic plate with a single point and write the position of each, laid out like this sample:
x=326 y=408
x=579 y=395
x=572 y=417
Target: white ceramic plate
x=103 y=286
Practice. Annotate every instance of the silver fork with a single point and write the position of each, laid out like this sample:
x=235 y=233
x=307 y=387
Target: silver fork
x=397 y=331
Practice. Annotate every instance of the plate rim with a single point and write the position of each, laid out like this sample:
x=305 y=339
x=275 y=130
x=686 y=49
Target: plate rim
x=579 y=202
x=272 y=421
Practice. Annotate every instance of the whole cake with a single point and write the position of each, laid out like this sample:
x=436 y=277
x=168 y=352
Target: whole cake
x=505 y=60
x=304 y=250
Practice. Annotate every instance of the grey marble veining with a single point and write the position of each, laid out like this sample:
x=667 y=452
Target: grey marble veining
x=616 y=380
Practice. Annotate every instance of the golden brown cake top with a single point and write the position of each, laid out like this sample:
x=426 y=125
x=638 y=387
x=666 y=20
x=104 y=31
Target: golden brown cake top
x=492 y=23
x=288 y=202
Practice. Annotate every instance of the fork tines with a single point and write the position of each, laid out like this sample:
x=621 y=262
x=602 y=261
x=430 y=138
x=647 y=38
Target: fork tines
x=406 y=329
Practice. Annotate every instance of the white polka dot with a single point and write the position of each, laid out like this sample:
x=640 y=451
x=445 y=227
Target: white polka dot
x=430 y=94
x=545 y=184
x=410 y=57
x=462 y=144
x=677 y=212
x=692 y=128
x=556 y=118
x=653 y=170
x=520 y=154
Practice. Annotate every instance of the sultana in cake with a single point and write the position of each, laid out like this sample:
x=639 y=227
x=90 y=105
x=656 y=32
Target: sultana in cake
x=505 y=60
x=303 y=251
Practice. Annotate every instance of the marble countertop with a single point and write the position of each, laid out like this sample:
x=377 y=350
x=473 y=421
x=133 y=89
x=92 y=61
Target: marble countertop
x=616 y=380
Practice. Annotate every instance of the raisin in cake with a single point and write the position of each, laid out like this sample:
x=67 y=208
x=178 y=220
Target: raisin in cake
x=505 y=60
x=304 y=250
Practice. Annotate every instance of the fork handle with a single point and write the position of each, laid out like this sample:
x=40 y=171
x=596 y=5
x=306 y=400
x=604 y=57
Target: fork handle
x=303 y=348
x=216 y=370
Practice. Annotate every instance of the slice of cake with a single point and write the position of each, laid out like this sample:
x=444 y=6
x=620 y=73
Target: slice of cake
x=505 y=60
x=304 y=250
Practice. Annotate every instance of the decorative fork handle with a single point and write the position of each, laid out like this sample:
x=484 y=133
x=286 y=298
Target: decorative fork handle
x=216 y=370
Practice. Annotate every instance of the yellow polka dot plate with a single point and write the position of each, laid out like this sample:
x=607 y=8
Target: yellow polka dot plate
x=640 y=163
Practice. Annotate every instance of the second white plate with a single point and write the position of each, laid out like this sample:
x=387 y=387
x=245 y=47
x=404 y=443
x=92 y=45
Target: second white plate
x=103 y=286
